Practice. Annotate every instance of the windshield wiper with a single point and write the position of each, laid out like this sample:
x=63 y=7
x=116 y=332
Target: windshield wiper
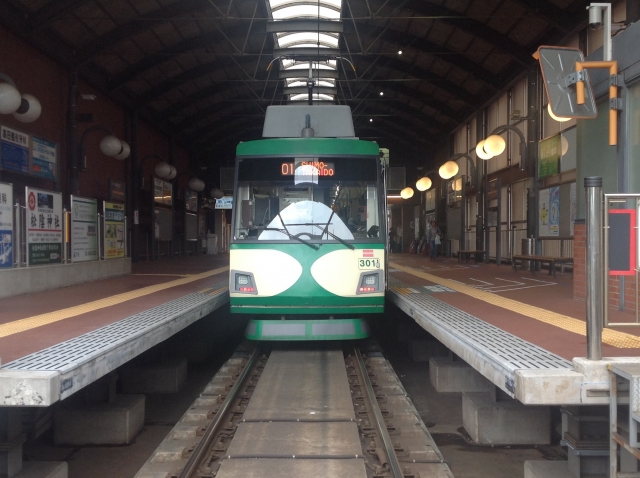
x=291 y=236
x=325 y=230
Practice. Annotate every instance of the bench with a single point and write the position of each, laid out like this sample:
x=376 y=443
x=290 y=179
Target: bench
x=467 y=252
x=533 y=258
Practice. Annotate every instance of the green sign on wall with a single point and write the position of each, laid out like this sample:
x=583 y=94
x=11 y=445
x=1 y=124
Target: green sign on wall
x=549 y=157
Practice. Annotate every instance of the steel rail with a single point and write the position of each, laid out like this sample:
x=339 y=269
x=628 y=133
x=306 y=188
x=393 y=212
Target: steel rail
x=212 y=429
x=396 y=469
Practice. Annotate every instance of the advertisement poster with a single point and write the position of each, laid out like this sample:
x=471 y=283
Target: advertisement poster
x=14 y=150
x=6 y=225
x=191 y=200
x=543 y=212
x=117 y=191
x=113 y=230
x=43 y=158
x=167 y=192
x=84 y=229
x=158 y=190
x=162 y=191
x=549 y=157
x=44 y=227
x=554 y=211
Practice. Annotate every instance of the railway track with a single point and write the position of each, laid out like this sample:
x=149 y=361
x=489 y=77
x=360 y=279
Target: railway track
x=315 y=412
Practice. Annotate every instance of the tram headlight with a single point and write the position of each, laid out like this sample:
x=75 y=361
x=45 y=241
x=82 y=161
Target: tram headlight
x=369 y=282
x=244 y=282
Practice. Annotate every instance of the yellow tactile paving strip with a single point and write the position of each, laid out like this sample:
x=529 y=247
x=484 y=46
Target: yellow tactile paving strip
x=51 y=317
x=610 y=337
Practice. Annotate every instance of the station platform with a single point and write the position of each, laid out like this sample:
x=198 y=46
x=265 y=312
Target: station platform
x=56 y=342
x=523 y=332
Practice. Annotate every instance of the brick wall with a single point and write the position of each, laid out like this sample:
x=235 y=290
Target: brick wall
x=37 y=74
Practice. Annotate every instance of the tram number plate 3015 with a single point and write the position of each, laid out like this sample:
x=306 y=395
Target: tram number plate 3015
x=368 y=264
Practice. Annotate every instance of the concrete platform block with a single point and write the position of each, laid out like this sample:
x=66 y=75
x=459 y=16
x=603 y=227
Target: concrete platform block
x=588 y=465
x=447 y=375
x=100 y=423
x=26 y=280
x=546 y=469
x=167 y=377
x=504 y=422
x=44 y=469
x=423 y=350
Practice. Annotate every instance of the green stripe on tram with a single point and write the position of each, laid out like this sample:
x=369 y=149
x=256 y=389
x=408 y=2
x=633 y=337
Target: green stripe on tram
x=307 y=146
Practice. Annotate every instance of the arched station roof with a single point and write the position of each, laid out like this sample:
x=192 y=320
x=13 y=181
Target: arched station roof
x=204 y=71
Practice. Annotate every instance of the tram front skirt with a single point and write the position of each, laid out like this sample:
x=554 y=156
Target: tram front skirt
x=307 y=329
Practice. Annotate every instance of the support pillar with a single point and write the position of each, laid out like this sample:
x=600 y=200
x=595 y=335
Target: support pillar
x=504 y=422
x=99 y=416
x=11 y=440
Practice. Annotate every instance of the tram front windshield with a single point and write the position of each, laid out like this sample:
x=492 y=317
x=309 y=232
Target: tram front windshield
x=306 y=199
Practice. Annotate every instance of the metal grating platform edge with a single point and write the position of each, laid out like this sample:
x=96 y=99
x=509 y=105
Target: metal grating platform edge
x=523 y=370
x=54 y=373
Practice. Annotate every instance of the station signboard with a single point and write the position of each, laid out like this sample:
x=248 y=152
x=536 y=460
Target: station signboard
x=44 y=226
x=6 y=225
x=114 y=233
x=84 y=229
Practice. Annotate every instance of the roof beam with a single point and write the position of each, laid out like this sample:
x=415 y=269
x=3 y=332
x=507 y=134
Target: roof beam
x=479 y=29
x=304 y=73
x=304 y=25
x=447 y=55
x=305 y=53
x=140 y=24
x=317 y=90
x=438 y=81
x=148 y=62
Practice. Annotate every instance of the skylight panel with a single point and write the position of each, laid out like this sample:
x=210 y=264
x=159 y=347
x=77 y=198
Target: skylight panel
x=315 y=96
x=305 y=11
x=293 y=65
x=312 y=39
x=303 y=82
x=334 y=3
x=295 y=39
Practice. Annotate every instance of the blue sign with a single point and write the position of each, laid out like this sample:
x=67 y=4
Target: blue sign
x=6 y=249
x=14 y=150
x=43 y=161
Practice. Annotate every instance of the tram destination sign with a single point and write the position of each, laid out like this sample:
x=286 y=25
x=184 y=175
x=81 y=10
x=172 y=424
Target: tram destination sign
x=323 y=168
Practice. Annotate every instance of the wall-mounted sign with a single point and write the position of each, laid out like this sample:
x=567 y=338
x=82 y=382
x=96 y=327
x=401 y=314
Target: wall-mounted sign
x=114 y=232
x=162 y=191
x=622 y=242
x=549 y=212
x=43 y=158
x=225 y=202
x=84 y=229
x=44 y=227
x=6 y=225
x=14 y=150
x=549 y=156
x=190 y=200
x=117 y=191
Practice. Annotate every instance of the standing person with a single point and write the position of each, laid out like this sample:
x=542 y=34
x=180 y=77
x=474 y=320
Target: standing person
x=435 y=237
x=393 y=241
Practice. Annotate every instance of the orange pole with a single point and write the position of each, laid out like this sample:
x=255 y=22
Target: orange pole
x=613 y=93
